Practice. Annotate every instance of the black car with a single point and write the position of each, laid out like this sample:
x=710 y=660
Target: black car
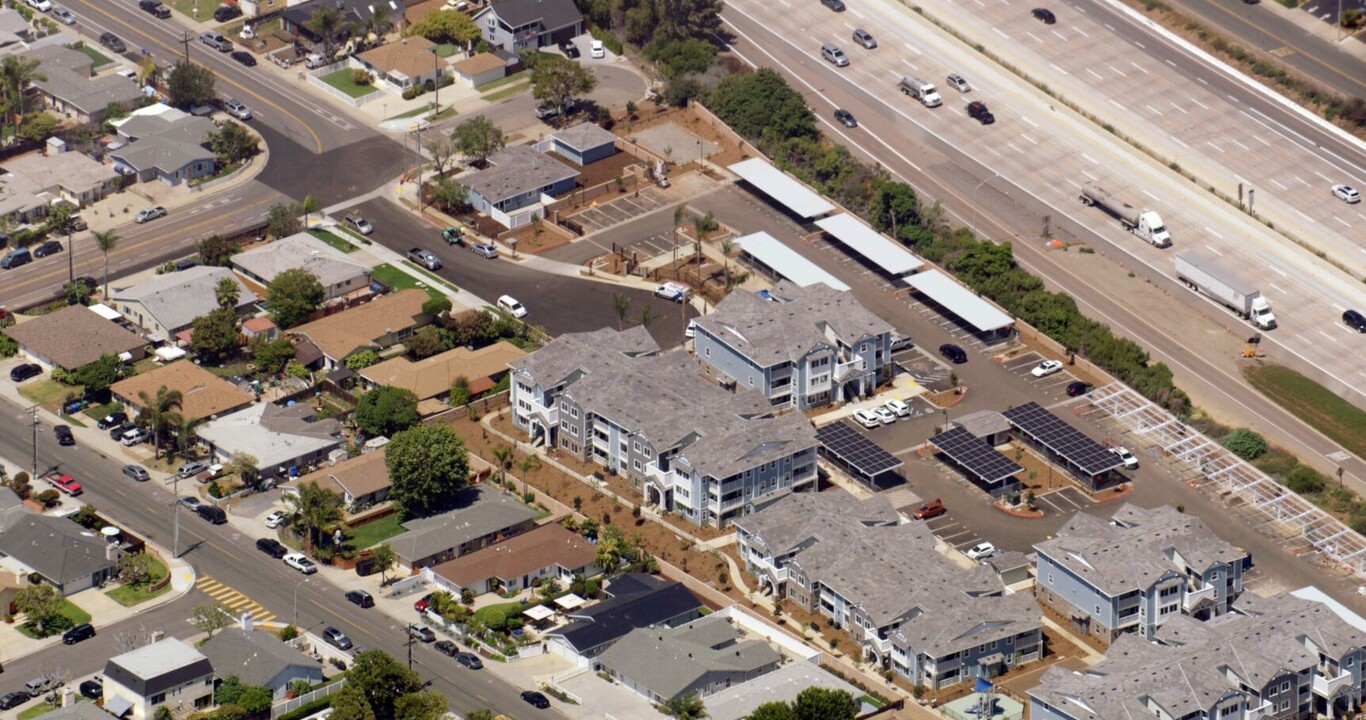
x=63 y=435
x=360 y=598
x=13 y=700
x=469 y=660
x=1044 y=14
x=1078 y=388
x=570 y=51
x=51 y=247
x=226 y=12
x=1354 y=320
x=836 y=5
x=846 y=118
x=272 y=547
x=112 y=41
x=446 y=647
x=118 y=431
x=25 y=371
x=245 y=58
x=979 y=112
x=154 y=8
x=114 y=418
x=92 y=689
x=84 y=631
x=136 y=472
x=535 y=699
x=955 y=354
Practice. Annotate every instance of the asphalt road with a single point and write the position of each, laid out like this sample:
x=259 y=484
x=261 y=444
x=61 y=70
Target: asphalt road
x=557 y=303
x=230 y=558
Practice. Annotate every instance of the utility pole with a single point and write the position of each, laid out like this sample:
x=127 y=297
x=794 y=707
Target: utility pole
x=409 y=630
x=185 y=40
x=175 y=512
x=33 y=471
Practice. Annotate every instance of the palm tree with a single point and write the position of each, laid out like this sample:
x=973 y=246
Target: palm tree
x=379 y=23
x=686 y=707
x=160 y=412
x=325 y=22
x=16 y=72
x=384 y=558
x=647 y=316
x=311 y=204
x=621 y=304
x=315 y=508
x=503 y=456
x=679 y=212
x=726 y=248
x=227 y=293
x=60 y=223
x=185 y=435
x=527 y=464
x=106 y=241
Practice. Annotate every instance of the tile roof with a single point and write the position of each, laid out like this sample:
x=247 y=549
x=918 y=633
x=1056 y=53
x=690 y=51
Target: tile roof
x=669 y=662
x=255 y=657
x=433 y=376
x=361 y=327
x=204 y=394
x=411 y=57
x=584 y=136
x=525 y=554
x=176 y=299
x=517 y=170
x=478 y=511
x=300 y=250
x=73 y=336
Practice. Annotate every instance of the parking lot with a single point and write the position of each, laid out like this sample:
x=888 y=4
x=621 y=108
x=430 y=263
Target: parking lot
x=962 y=336
x=620 y=210
x=1051 y=389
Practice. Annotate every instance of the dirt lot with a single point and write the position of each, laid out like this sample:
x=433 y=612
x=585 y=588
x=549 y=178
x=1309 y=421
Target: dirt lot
x=650 y=115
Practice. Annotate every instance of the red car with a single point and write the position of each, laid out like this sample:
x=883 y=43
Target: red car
x=65 y=483
x=423 y=603
x=931 y=509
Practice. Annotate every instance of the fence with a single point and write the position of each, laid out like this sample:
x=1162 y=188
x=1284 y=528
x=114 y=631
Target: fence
x=293 y=704
x=315 y=79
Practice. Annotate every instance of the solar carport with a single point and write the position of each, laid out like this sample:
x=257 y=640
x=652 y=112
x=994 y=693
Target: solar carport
x=855 y=453
x=990 y=470
x=960 y=301
x=779 y=259
x=894 y=260
x=782 y=188
x=1084 y=457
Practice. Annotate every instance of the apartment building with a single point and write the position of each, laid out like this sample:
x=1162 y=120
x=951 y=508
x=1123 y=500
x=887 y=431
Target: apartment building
x=1132 y=573
x=687 y=445
x=800 y=347
x=883 y=580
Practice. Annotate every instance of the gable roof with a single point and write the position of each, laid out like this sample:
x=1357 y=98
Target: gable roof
x=799 y=320
x=73 y=336
x=70 y=79
x=479 y=64
x=203 y=394
x=411 y=57
x=341 y=334
x=357 y=476
x=300 y=250
x=433 y=376
x=478 y=511
x=637 y=601
x=517 y=170
x=671 y=661
x=158 y=667
x=254 y=657
x=165 y=144
x=551 y=14
x=176 y=299
x=520 y=555
x=55 y=547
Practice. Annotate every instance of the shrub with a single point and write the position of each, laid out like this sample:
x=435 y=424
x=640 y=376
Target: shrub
x=1304 y=480
x=1246 y=444
x=495 y=619
x=361 y=77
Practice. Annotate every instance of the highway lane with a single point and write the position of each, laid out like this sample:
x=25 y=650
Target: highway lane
x=231 y=558
x=957 y=177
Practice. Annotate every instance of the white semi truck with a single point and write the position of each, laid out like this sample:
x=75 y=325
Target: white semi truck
x=923 y=91
x=1205 y=276
x=1144 y=223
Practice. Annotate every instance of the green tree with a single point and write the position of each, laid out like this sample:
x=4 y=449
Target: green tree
x=428 y=341
x=460 y=391
x=1304 y=480
x=163 y=713
x=326 y=22
x=231 y=143
x=252 y=699
x=292 y=296
x=316 y=509
x=425 y=705
x=685 y=707
x=135 y=568
x=761 y=104
x=776 y=710
x=361 y=359
x=216 y=251
x=478 y=138
x=479 y=714
x=503 y=458
x=382 y=680
x=159 y=413
x=310 y=204
x=527 y=465
x=442 y=150
x=41 y=606
x=189 y=85
x=282 y=220
x=17 y=72
x=105 y=241
x=270 y=357
x=446 y=26
x=428 y=464
x=99 y=375
x=384 y=559
x=386 y=410
x=246 y=467
x=210 y=617
x=350 y=704
x=215 y=334
x=448 y=194
x=682 y=57
x=38 y=127
x=296 y=369
x=1245 y=443
x=556 y=81
x=818 y=703
x=436 y=306
x=112 y=112
x=76 y=293
x=227 y=292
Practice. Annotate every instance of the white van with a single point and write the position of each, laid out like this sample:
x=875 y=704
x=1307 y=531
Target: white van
x=510 y=304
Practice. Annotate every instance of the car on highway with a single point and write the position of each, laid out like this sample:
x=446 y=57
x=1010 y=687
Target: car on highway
x=225 y=13
x=931 y=509
x=64 y=484
x=864 y=38
x=421 y=633
x=597 y=50
x=154 y=8
x=40 y=5
x=24 y=371
x=1077 y=388
x=275 y=519
x=836 y=5
x=834 y=55
x=1127 y=457
x=112 y=41
x=63 y=16
x=134 y=436
x=360 y=598
x=1346 y=193
x=469 y=660
x=867 y=418
x=512 y=306
x=1354 y=320
x=845 y=118
x=244 y=57
x=337 y=638
x=84 y=631
x=215 y=41
x=359 y=224
x=63 y=435
x=1044 y=15
x=955 y=354
x=237 y=109
x=485 y=250
x=535 y=699
x=425 y=258
x=301 y=563
x=190 y=468
x=148 y=214
x=977 y=110
x=884 y=416
x=118 y=417
x=272 y=547
x=957 y=82
x=51 y=247
x=92 y=689
x=569 y=49
x=1046 y=368
x=136 y=473
x=9 y=701
x=980 y=551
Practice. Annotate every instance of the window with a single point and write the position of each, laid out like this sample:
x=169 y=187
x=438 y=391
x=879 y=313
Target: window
x=1285 y=686
x=636 y=464
x=1285 y=705
x=158 y=698
x=574 y=413
x=1050 y=578
x=706 y=351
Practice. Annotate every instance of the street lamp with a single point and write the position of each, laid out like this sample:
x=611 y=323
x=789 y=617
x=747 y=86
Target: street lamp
x=946 y=419
x=994 y=175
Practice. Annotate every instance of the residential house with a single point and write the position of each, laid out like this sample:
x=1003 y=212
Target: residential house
x=634 y=601
x=584 y=143
x=1282 y=658
x=34 y=182
x=693 y=449
x=544 y=554
x=166 y=144
x=905 y=605
x=65 y=555
x=361 y=481
x=801 y=347
x=284 y=440
x=71 y=89
x=479 y=517
x=480 y=69
x=76 y=711
x=1136 y=571
x=74 y=336
x=203 y=395
x=259 y=659
x=168 y=304
x=15 y=32
x=517 y=185
x=168 y=673
x=12 y=580
x=700 y=659
x=516 y=25
x=402 y=64
x=296 y=16
x=432 y=378
x=377 y=325
x=339 y=276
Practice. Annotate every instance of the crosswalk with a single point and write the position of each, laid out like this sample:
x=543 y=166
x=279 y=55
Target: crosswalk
x=234 y=601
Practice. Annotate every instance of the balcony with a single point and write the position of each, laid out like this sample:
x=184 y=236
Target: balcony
x=1266 y=709
x=764 y=565
x=1195 y=597
x=844 y=370
x=1329 y=686
x=664 y=477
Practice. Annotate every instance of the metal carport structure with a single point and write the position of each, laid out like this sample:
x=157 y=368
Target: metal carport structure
x=986 y=467
x=783 y=260
x=872 y=245
x=962 y=302
x=787 y=191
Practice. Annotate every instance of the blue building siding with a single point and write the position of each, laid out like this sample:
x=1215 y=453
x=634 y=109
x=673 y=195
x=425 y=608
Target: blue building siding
x=1072 y=589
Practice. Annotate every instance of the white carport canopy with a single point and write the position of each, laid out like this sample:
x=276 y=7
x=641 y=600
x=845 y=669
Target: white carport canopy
x=959 y=300
x=780 y=186
x=871 y=244
x=538 y=612
x=570 y=601
x=785 y=261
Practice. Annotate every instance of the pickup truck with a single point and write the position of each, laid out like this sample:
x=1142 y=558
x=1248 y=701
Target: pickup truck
x=672 y=291
x=64 y=483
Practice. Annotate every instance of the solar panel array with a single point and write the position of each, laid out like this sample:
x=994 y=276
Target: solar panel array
x=1053 y=433
x=975 y=455
x=855 y=450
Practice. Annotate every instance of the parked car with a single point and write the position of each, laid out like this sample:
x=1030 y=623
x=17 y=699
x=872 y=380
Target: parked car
x=672 y=291
x=423 y=602
x=212 y=514
x=337 y=638
x=570 y=50
x=957 y=82
x=154 y=8
x=535 y=699
x=136 y=436
x=92 y=689
x=1123 y=453
x=190 y=468
x=425 y=258
x=845 y=118
x=225 y=13
x=469 y=660
x=25 y=371
x=63 y=435
x=51 y=247
x=313 y=61
x=1347 y=194
x=40 y=5
x=148 y=214
x=64 y=484
x=275 y=519
x=190 y=502
x=512 y=306
x=931 y=509
x=884 y=416
x=236 y=108
x=116 y=432
x=1044 y=15
x=16 y=258
x=901 y=343
x=864 y=38
x=272 y=547
x=118 y=417
x=112 y=41
x=1077 y=388
x=421 y=633
x=981 y=551
x=1046 y=368
x=215 y=41
x=244 y=57
x=867 y=418
x=596 y=49
x=360 y=598
x=9 y=701
x=955 y=354
x=63 y=16
x=359 y=224
x=136 y=472
x=301 y=563
x=978 y=111
x=485 y=250
x=84 y=631
x=447 y=648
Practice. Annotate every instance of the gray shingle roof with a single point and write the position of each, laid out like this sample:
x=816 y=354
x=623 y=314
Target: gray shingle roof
x=163 y=144
x=575 y=351
x=69 y=78
x=176 y=299
x=517 y=170
x=254 y=657
x=552 y=14
x=55 y=547
x=584 y=136
x=299 y=251
x=673 y=661
x=73 y=336
x=478 y=512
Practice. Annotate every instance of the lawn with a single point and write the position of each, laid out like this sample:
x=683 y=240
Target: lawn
x=399 y=280
x=232 y=369
x=70 y=611
x=47 y=392
x=374 y=533
x=98 y=412
x=446 y=50
x=333 y=240
x=41 y=708
x=508 y=92
x=423 y=271
x=510 y=609
x=504 y=82
x=1313 y=403
x=97 y=58
x=341 y=80
x=130 y=595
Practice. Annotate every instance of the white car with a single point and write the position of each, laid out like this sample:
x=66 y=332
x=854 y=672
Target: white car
x=887 y=417
x=980 y=551
x=40 y=5
x=1046 y=368
x=1130 y=461
x=867 y=418
x=900 y=408
x=1347 y=193
x=151 y=213
x=300 y=562
x=275 y=519
x=510 y=304
x=595 y=49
